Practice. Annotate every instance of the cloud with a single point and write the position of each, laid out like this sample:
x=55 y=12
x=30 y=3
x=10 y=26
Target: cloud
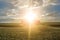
x=51 y=2
x=4 y=7
x=52 y=8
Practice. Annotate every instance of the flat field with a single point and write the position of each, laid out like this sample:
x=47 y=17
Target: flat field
x=44 y=31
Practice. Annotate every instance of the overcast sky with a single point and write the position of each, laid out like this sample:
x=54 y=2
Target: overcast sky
x=50 y=7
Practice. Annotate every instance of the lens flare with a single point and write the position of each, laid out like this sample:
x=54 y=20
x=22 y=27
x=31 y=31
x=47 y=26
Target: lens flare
x=30 y=15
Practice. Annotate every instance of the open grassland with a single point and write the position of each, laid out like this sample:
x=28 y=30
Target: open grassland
x=52 y=24
x=9 y=24
x=55 y=24
x=10 y=31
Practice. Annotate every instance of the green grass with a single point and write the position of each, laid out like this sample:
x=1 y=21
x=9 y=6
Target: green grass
x=19 y=24
x=9 y=31
x=43 y=33
x=10 y=24
x=52 y=24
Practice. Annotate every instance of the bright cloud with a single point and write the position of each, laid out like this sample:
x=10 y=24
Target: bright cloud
x=12 y=8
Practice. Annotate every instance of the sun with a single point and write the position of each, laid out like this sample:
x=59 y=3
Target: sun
x=30 y=15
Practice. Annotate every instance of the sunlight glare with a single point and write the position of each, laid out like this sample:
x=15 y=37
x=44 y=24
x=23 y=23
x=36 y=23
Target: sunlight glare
x=30 y=16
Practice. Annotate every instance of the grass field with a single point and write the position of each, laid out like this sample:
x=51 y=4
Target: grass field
x=13 y=31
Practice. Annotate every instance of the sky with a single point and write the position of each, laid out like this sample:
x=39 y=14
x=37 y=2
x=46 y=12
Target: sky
x=10 y=10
